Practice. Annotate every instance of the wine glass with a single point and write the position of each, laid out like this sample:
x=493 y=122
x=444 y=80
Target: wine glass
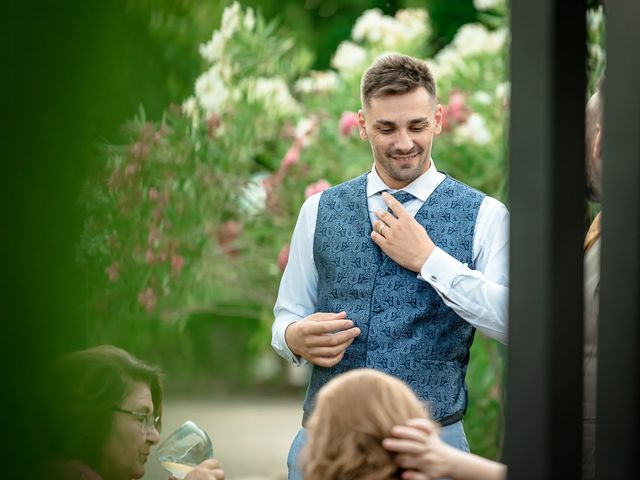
x=185 y=449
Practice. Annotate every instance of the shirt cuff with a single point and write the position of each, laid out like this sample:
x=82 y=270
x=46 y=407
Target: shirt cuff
x=440 y=269
x=284 y=351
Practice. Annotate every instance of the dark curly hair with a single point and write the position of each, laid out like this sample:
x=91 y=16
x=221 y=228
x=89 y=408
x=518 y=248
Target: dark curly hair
x=85 y=386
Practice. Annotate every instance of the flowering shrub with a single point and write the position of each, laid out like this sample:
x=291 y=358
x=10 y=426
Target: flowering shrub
x=195 y=212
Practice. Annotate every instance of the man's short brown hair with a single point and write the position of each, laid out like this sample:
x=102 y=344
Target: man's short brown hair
x=395 y=74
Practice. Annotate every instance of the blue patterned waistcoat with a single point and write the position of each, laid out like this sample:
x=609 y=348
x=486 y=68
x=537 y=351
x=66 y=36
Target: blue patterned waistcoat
x=406 y=329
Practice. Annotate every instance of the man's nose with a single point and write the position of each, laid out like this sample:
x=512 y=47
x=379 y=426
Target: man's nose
x=403 y=141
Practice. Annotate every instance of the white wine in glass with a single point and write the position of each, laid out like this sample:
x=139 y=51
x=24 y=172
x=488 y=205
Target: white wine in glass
x=185 y=449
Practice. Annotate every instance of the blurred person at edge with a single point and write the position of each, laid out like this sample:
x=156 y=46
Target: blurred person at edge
x=105 y=416
x=389 y=435
x=593 y=170
x=402 y=291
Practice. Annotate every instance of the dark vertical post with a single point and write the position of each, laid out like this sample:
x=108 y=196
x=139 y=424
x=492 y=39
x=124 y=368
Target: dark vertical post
x=547 y=203
x=618 y=410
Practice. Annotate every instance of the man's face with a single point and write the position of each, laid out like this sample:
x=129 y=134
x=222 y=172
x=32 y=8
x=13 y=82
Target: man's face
x=400 y=129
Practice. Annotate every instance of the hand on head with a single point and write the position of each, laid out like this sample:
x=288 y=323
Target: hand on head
x=420 y=450
x=321 y=338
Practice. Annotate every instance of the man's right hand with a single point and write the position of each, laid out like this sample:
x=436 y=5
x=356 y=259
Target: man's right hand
x=321 y=338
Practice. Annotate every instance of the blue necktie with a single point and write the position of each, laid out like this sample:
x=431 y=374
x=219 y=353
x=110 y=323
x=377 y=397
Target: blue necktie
x=401 y=196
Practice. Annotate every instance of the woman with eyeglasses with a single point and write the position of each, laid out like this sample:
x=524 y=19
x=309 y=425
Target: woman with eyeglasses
x=106 y=410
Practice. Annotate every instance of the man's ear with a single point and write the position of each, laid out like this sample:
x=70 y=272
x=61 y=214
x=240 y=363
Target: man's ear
x=362 y=126
x=438 y=116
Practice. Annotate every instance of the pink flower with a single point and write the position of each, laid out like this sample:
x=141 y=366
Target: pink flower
x=148 y=299
x=154 y=235
x=226 y=234
x=348 y=123
x=149 y=256
x=131 y=169
x=283 y=257
x=456 y=112
x=177 y=262
x=292 y=156
x=140 y=150
x=153 y=194
x=320 y=186
x=113 y=272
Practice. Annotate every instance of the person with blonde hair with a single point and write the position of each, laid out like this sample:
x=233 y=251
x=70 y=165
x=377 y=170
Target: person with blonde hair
x=355 y=411
x=369 y=425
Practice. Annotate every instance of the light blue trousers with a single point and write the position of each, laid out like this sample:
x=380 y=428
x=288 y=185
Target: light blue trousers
x=452 y=434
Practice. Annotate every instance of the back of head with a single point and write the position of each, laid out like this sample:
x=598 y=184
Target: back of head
x=395 y=74
x=354 y=412
x=85 y=387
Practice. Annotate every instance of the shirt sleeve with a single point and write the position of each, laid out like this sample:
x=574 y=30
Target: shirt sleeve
x=479 y=296
x=298 y=287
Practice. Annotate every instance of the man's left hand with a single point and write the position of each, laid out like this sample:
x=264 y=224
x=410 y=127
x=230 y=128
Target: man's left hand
x=402 y=238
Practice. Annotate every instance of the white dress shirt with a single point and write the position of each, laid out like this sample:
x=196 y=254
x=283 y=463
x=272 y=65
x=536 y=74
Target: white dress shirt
x=479 y=296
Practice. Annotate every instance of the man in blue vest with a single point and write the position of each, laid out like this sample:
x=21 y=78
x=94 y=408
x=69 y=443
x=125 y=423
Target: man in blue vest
x=395 y=269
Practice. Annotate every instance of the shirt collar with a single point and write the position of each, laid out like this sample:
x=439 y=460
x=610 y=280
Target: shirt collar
x=421 y=187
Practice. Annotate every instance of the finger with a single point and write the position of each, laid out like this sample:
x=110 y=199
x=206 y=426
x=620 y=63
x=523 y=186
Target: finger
x=409 y=433
x=327 y=362
x=328 y=326
x=218 y=474
x=399 y=445
x=333 y=339
x=409 y=461
x=386 y=217
x=414 y=475
x=324 y=316
x=211 y=463
x=330 y=352
x=378 y=239
x=395 y=206
x=427 y=426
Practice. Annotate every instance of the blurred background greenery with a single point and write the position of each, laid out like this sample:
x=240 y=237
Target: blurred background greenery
x=155 y=208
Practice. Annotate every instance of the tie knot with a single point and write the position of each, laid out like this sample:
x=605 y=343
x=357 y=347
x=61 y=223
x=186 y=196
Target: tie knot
x=402 y=196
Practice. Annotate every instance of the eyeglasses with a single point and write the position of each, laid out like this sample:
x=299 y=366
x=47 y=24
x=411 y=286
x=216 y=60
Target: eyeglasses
x=146 y=420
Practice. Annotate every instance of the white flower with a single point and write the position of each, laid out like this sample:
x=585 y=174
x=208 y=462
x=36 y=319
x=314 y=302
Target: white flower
x=190 y=110
x=445 y=61
x=317 y=82
x=274 y=94
x=487 y=4
x=374 y=27
x=503 y=90
x=254 y=196
x=596 y=52
x=214 y=49
x=595 y=17
x=230 y=20
x=482 y=97
x=249 y=19
x=368 y=26
x=473 y=130
x=475 y=38
x=349 y=57
x=211 y=91
x=413 y=22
